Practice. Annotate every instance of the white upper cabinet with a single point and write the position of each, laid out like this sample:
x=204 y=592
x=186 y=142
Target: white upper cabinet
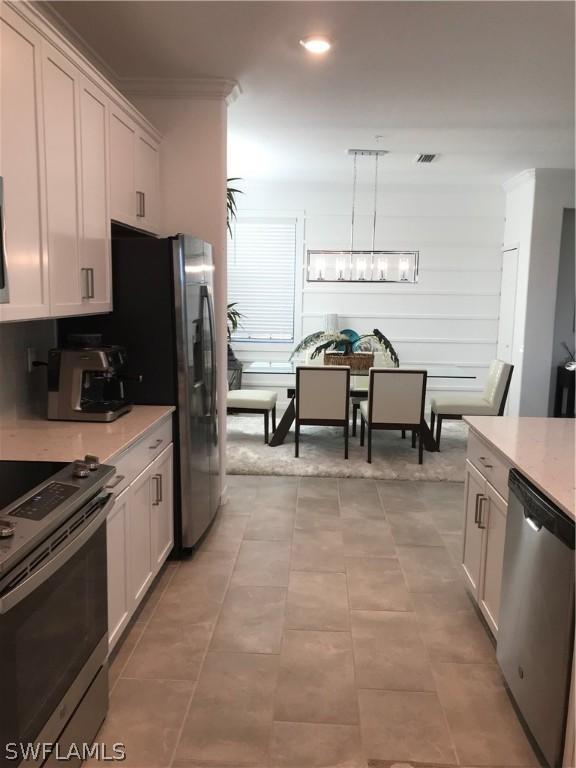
x=21 y=166
x=134 y=173
x=62 y=131
x=95 y=266
x=123 y=168
x=147 y=182
x=73 y=155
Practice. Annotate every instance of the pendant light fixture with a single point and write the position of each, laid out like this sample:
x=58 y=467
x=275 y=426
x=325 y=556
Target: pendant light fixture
x=363 y=265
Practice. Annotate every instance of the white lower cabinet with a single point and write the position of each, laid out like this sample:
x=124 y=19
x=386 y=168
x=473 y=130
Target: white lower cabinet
x=162 y=516
x=117 y=536
x=483 y=546
x=139 y=550
x=140 y=531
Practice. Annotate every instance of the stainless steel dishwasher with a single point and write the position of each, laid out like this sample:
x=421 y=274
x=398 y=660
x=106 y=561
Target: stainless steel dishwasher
x=536 y=627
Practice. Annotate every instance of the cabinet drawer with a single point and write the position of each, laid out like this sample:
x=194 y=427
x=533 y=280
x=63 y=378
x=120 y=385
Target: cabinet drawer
x=136 y=458
x=489 y=464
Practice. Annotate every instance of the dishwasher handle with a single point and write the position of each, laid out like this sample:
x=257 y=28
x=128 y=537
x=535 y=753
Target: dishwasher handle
x=539 y=511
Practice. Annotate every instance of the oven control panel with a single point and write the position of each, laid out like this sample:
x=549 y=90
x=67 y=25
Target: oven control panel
x=45 y=501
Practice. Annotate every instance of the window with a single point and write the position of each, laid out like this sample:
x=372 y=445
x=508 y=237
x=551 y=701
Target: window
x=261 y=277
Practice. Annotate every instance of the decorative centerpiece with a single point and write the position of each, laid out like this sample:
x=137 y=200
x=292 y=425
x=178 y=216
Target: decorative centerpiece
x=349 y=348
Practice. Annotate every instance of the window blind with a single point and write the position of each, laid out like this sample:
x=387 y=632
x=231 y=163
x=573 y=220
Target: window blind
x=261 y=277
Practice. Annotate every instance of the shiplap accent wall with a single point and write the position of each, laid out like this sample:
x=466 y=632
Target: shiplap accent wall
x=450 y=315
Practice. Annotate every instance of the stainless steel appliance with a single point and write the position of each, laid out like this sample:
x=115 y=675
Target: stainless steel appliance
x=53 y=603
x=86 y=381
x=536 y=628
x=163 y=315
x=4 y=296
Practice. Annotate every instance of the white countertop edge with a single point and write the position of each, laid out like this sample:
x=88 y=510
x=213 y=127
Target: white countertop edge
x=527 y=472
x=39 y=439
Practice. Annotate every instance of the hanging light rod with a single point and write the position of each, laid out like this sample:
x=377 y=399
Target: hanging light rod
x=368 y=152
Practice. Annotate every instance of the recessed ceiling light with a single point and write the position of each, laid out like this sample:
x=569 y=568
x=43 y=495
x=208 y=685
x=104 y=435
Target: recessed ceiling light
x=316 y=44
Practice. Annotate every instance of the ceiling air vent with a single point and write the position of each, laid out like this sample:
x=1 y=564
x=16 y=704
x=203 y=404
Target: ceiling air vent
x=425 y=158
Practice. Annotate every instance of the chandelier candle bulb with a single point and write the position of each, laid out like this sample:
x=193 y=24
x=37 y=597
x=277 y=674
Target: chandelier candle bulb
x=361 y=269
x=383 y=268
x=340 y=267
x=320 y=268
x=403 y=265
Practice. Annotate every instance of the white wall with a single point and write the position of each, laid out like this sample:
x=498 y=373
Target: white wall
x=535 y=204
x=193 y=194
x=450 y=315
x=23 y=394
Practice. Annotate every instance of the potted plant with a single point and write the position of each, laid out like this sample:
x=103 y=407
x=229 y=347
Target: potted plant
x=348 y=348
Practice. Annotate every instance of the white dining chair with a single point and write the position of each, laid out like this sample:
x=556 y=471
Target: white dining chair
x=254 y=401
x=322 y=399
x=395 y=401
x=491 y=402
x=359 y=383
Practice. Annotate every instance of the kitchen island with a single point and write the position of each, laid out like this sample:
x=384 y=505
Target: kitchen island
x=542 y=450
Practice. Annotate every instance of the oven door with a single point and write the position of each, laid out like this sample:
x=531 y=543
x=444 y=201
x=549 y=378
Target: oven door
x=52 y=626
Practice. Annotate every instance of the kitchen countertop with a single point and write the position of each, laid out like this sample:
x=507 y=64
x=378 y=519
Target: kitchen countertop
x=541 y=449
x=37 y=439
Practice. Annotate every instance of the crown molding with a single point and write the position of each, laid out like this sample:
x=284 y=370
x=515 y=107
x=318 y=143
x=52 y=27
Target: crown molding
x=521 y=178
x=217 y=88
x=46 y=10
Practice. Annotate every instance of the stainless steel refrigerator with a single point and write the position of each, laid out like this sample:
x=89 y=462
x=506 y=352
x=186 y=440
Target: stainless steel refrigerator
x=163 y=314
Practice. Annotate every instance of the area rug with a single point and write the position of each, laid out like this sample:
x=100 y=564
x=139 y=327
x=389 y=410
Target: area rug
x=322 y=454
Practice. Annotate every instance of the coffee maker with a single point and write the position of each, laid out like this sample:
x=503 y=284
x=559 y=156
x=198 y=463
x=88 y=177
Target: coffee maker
x=86 y=380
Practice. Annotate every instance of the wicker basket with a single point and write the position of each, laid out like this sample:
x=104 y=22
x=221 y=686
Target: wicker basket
x=358 y=361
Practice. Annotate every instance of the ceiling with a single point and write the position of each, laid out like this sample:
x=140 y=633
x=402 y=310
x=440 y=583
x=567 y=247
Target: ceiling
x=487 y=85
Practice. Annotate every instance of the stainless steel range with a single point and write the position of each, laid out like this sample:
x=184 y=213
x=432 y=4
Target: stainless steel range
x=53 y=606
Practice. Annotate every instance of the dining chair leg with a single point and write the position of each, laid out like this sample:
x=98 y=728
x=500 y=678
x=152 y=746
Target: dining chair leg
x=432 y=420
x=296 y=439
x=369 y=444
x=403 y=434
x=266 y=427
x=420 y=448
x=346 y=428
x=413 y=439
x=274 y=419
x=355 y=408
x=362 y=429
x=438 y=431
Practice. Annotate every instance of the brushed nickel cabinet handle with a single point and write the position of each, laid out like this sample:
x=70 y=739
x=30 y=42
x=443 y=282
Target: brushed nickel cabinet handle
x=91 y=292
x=481 y=523
x=485 y=463
x=86 y=283
x=476 y=507
x=117 y=480
x=140 y=205
x=156 y=444
x=158 y=495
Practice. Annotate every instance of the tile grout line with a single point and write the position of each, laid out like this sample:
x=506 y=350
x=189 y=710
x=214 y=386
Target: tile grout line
x=356 y=689
x=188 y=707
x=146 y=622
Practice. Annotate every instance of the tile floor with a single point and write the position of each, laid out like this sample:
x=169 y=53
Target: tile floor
x=322 y=624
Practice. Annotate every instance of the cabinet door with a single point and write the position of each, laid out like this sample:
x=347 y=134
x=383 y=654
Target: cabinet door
x=139 y=544
x=95 y=266
x=492 y=519
x=22 y=168
x=62 y=131
x=122 y=169
x=119 y=604
x=472 y=549
x=162 y=518
x=147 y=183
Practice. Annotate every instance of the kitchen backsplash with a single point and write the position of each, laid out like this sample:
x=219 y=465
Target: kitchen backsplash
x=23 y=394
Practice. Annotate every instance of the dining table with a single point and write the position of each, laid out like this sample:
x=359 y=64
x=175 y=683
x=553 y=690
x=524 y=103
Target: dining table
x=358 y=388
